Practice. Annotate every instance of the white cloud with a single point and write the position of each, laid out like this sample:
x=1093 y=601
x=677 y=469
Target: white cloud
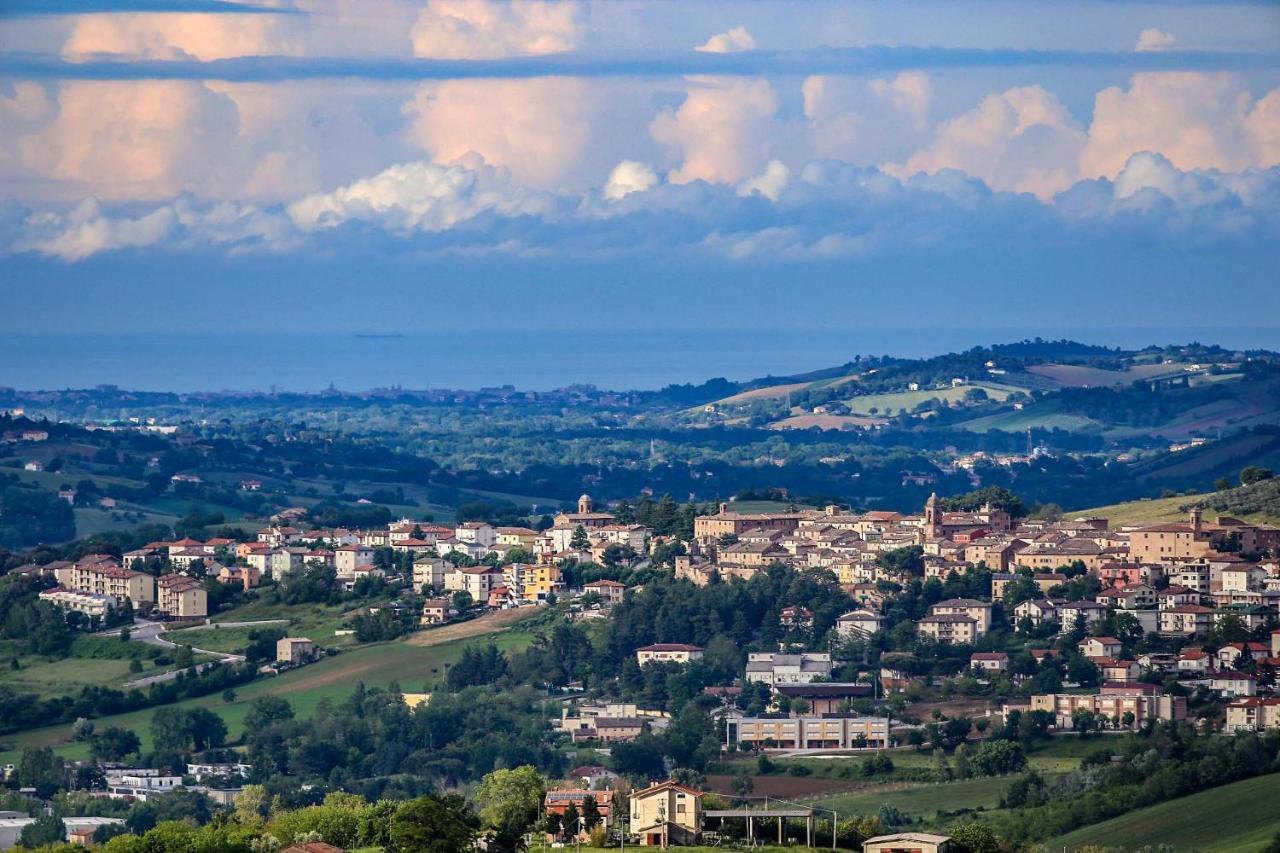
x=86 y=231
x=200 y=36
x=867 y=122
x=1198 y=120
x=417 y=197
x=722 y=132
x=628 y=177
x=491 y=29
x=1022 y=140
x=1154 y=39
x=770 y=183
x=536 y=128
x=732 y=41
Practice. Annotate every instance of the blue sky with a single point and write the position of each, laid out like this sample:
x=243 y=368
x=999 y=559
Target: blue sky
x=624 y=163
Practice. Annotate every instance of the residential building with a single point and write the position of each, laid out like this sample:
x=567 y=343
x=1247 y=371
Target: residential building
x=1253 y=714
x=1075 y=613
x=181 y=597
x=478 y=532
x=666 y=813
x=989 y=662
x=87 y=603
x=1231 y=684
x=1187 y=620
x=950 y=628
x=978 y=611
x=294 y=650
x=1041 y=611
x=672 y=652
x=347 y=559
x=774 y=668
x=1113 y=703
x=859 y=623
x=437 y=610
x=1100 y=647
x=558 y=802
x=104 y=577
x=610 y=591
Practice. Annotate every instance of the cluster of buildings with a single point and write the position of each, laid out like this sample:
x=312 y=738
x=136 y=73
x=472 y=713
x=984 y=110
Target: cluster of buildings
x=98 y=584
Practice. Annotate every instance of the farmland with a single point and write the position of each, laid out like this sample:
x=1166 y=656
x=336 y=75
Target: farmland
x=1197 y=822
x=415 y=666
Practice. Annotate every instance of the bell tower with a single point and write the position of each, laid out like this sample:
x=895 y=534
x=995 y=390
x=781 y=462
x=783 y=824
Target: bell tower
x=932 y=517
x=586 y=505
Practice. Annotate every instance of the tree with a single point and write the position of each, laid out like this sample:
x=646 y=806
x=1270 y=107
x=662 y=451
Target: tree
x=997 y=758
x=974 y=837
x=511 y=802
x=113 y=744
x=39 y=768
x=1255 y=474
x=266 y=711
x=579 y=540
x=206 y=729
x=434 y=824
x=47 y=830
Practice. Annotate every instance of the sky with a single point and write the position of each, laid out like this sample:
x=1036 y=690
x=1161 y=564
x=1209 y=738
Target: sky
x=369 y=165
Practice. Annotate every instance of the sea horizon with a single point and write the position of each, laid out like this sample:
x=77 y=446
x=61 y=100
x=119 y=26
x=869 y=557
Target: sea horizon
x=533 y=360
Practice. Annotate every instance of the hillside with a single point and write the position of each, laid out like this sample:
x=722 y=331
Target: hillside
x=1259 y=503
x=1194 y=823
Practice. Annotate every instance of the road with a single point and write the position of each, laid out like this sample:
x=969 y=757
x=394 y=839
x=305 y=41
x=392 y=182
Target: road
x=146 y=631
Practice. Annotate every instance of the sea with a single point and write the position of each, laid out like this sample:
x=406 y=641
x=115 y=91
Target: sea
x=529 y=360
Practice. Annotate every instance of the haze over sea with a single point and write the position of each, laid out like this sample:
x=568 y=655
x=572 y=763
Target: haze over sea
x=530 y=360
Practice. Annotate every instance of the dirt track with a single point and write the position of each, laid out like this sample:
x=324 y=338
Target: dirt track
x=488 y=624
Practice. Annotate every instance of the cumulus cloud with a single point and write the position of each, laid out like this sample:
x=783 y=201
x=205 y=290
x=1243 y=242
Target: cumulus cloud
x=492 y=29
x=867 y=122
x=1022 y=140
x=148 y=139
x=722 y=132
x=629 y=176
x=770 y=183
x=417 y=197
x=199 y=36
x=1197 y=120
x=1153 y=39
x=732 y=41
x=824 y=210
x=536 y=128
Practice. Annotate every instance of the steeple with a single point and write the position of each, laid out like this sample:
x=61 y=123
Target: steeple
x=932 y=518
x=586 y=505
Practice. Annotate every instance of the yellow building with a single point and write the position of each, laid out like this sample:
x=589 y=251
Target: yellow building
x=665 y=814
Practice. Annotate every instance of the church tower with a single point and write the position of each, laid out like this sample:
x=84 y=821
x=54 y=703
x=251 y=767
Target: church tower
x=932 y=517
x=586 y=505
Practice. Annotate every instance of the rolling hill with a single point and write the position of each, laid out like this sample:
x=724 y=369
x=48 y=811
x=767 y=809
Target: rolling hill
x=1238 y=818
x=1259 y=503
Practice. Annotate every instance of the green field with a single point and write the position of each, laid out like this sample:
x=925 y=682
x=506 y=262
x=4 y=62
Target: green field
x=1239 y=818
x=415 y=665
x=887 y=404
x=1159 y=510
x=922 y=800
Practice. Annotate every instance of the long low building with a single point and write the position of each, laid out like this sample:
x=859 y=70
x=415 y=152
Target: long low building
x=824 y=731
x=1140 y=701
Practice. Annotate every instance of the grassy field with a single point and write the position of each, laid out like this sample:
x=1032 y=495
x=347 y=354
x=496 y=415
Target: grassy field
x=922 y=800
x=1082 y=376
x=415 y=664
x=887 y=404
x=1239 y=818
x=1158 y=510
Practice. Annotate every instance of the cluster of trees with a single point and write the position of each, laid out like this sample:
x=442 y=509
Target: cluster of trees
x=374 y=744
x=27 y=710
x=30 y=515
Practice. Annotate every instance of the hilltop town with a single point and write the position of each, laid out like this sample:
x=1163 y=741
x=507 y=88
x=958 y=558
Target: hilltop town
x=757 y=631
